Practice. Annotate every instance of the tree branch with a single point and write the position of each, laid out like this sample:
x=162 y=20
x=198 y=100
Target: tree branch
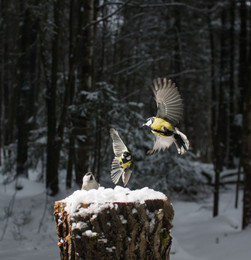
x=107 y=16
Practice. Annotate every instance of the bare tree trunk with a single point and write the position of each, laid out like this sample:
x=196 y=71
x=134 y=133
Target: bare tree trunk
x=118 y=231
x=232 y=134
x=1 y=83
x=246 y=109
x=1 y=120
x=247 y=151
x=71 y=161
x=243 y=53
x=52 y=138
x=220 y=134
x=26 y=84
x=86 y=82
x=213 y=114
x=9 y=83
x=73 y=44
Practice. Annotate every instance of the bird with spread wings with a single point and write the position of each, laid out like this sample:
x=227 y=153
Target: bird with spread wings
x=169 y=113
x=122 y=163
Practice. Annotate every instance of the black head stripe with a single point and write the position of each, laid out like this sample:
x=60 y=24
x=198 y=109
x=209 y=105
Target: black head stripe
x=124 y=157
x=166 y=132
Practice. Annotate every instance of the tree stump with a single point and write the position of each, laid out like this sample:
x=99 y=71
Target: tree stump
x=110 y=227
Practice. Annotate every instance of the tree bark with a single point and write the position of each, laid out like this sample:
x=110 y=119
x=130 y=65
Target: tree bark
x=118 y=231
x=26 y=70
x=219 y=137
x=10 y=32
x=71 y=84
x=232 y=133
x=246 y=140
x=246 y=151
x=52 y=138
x=86 y=82
x=214 y=115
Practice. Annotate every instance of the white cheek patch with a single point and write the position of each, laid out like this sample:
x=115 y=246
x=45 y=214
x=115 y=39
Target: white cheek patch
x=148 y=123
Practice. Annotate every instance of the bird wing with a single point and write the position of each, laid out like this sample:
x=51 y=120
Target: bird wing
x=161 y=143
x=168 y=99
x=116 y=171
x=118 y=145
x=126 y=176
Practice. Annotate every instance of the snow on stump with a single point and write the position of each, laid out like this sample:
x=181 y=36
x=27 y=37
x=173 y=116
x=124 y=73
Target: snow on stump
x=114 y=224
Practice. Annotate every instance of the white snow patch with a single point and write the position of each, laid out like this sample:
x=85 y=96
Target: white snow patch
x=102 y=196
x=89 y=233
x=110 y=249
x=92 y=209
x=134 y=211
x=79 y=225
x=238 y=120
x=93 y=217
x=122 y=219
x=29 y=188
x=151 y=216
x=104 y=240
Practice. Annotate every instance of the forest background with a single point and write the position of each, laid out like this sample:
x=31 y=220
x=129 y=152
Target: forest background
x=70 y=70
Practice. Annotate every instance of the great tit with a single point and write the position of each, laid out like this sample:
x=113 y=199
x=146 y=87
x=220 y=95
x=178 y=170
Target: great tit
x=169 y=113
x=89 y=182
x=122 y=163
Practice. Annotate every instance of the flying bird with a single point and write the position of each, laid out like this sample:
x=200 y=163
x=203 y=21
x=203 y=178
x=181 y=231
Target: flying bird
x=169 y=113
x=89 y=182
x=122 y=163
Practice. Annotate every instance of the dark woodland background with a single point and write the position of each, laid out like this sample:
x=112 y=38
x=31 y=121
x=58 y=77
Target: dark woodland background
x=70 y=70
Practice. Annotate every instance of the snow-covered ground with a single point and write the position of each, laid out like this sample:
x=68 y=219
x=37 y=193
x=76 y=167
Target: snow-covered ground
x=27 y=227
x=198 y=236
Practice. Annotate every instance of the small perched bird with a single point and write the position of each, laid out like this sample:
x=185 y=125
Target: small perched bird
x=122 y=163
x=89 y=182
x=169 y=113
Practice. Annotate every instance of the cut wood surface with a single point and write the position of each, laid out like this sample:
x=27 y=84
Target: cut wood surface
x=115 y=230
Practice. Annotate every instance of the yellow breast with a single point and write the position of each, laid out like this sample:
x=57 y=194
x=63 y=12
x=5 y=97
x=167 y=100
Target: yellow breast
x=124 y=165
x=160 y=125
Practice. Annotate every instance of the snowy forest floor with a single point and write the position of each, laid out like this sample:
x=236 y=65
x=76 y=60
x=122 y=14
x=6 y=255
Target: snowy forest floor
x=28 y=230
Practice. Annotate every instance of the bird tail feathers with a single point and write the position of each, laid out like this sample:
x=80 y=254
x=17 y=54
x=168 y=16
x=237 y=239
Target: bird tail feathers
x=181 y=141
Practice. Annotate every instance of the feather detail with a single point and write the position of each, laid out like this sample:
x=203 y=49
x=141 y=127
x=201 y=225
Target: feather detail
x=161 y=143
x=118 y=145
x=126 y=176
x=168 y=99
x=181 y=141
x=116 y=171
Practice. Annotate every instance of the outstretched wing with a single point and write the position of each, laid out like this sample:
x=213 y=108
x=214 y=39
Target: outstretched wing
x=161 y=143
x=126 y=176
x=168 y=99
x=118 y=145
x=117 y=171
